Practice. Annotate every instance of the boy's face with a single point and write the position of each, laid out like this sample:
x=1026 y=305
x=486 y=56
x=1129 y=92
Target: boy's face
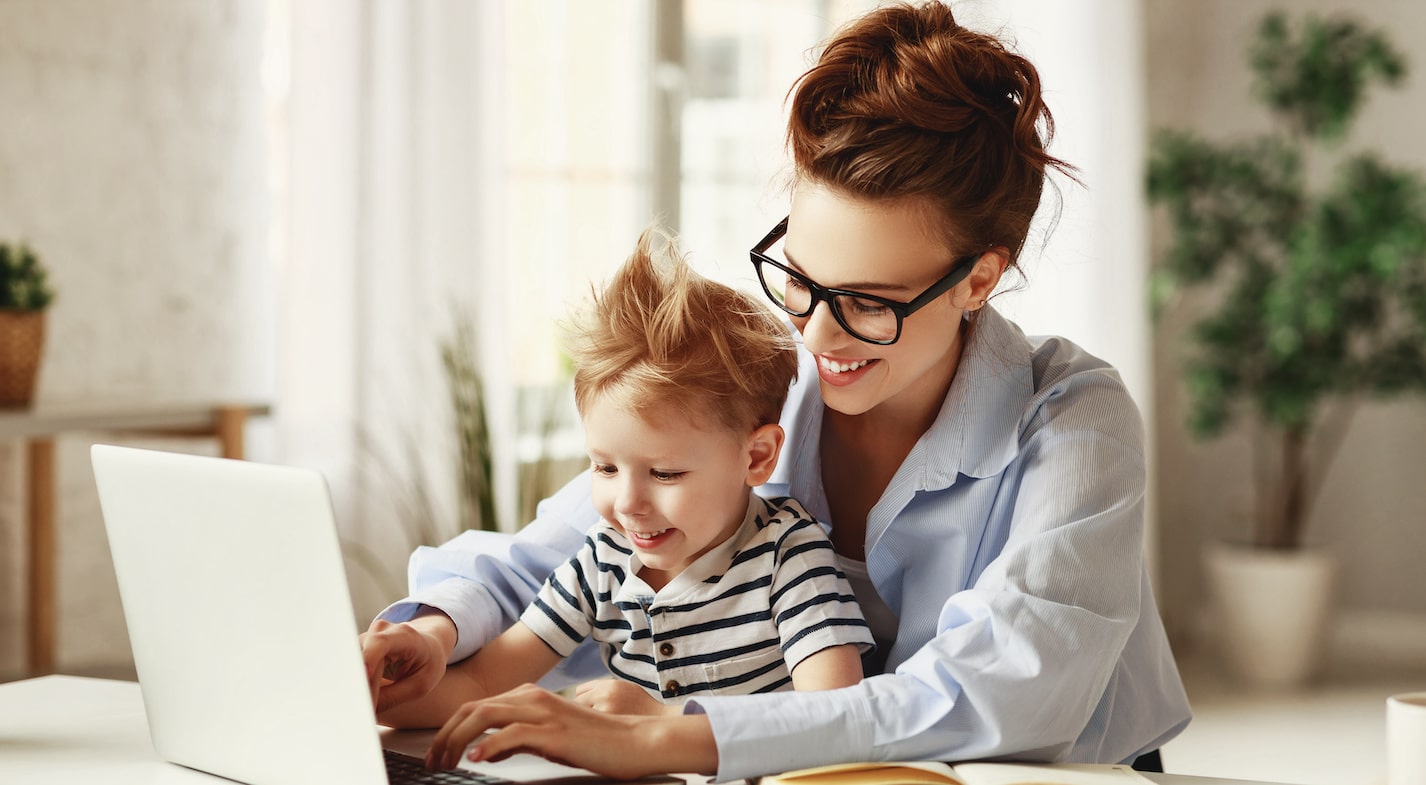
x=674 y=488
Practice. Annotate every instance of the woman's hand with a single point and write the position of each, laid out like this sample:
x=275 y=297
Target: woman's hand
x=616 y=696
x=405 y=661
x=534 y=720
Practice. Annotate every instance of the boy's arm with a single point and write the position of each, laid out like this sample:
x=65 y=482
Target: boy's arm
x=818 y=619
x=516 y=657
x=829 y=669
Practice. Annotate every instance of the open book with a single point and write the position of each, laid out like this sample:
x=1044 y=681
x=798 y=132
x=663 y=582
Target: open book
x=933 y=773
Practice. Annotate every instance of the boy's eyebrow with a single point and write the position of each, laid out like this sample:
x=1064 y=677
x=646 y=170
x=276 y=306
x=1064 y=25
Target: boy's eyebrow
x=873 y=285
x=663 y=462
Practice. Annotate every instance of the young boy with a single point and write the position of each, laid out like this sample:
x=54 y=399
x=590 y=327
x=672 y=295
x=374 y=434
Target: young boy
x=691 y=583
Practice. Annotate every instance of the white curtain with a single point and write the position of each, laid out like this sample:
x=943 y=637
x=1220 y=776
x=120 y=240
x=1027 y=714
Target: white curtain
x=392 y=222
x=395 y=184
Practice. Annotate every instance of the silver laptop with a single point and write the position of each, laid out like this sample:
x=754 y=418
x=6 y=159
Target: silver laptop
x=243 y=633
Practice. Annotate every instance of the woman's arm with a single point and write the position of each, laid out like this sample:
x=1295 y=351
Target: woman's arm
x=1053 y=652
x=517 y=657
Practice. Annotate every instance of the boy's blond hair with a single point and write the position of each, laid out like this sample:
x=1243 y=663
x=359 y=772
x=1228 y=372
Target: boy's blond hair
x=661 y=333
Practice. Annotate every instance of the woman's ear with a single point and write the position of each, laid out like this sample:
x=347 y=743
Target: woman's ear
x=983 y=278
x=764 y=445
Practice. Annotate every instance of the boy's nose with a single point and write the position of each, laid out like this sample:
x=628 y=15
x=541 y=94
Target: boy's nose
x=631 y=499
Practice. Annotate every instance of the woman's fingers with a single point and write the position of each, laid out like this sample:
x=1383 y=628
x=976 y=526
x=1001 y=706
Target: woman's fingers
x=534 y=720
x=475 y=718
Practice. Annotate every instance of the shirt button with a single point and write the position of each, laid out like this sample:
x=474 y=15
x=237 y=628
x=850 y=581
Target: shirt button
x=666 y=649
x=672 y=687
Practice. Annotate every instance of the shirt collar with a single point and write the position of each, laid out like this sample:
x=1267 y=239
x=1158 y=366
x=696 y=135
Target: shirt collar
x=976 y=432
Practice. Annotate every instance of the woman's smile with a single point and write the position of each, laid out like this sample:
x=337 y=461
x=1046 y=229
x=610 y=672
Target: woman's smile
x=842 y=372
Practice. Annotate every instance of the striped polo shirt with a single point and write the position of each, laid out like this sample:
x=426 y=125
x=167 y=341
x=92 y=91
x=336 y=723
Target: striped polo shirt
x=736 y=621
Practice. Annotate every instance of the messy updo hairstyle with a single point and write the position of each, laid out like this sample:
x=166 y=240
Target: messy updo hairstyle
x=905 y=104
x=659 y=334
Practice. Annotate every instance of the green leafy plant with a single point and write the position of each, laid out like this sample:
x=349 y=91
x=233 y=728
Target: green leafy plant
x=24 y=282
x=1308 y=262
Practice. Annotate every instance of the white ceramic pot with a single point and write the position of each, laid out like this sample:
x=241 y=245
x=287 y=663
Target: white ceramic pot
x=1270 y=610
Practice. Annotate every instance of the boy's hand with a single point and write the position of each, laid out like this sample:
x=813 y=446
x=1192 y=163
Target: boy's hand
x=404 y=661
x=616 y=696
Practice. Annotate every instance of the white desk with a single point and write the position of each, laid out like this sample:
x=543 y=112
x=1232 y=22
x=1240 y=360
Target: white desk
x=61 y=729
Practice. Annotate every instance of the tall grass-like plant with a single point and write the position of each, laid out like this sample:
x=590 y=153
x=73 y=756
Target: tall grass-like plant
x=1305 y=260
x=403 y=481
x=466 y=390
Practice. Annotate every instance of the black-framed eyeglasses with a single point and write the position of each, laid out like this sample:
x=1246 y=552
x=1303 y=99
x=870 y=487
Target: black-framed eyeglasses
x=865 y=317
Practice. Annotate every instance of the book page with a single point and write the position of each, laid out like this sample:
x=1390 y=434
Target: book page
x=1049 y=774
x=933 y=773
x=889 y=773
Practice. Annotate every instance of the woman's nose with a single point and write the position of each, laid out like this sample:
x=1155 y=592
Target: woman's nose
x=820 y=330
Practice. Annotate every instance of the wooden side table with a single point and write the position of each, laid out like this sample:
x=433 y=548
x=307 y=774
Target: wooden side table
x=38 y=427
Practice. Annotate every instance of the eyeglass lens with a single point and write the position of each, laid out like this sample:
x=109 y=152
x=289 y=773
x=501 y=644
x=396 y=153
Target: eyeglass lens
x=862 y=317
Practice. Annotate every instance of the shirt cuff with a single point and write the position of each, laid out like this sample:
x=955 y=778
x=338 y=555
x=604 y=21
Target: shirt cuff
x=782 y=731
x=468 y=604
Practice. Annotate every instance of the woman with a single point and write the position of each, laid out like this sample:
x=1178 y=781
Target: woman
x=984 y=491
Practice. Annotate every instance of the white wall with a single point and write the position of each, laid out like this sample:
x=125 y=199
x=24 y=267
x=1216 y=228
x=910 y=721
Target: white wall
x=1372 y=506
x=132 y=160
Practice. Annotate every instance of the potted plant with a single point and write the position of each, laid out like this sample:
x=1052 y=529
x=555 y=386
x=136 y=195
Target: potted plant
x=24 y=294
x=1305 y=263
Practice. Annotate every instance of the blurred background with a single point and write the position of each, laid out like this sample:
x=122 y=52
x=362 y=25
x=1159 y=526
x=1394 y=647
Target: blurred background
x=371 y=216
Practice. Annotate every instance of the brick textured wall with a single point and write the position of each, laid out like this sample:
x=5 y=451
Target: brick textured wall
x=132 y=159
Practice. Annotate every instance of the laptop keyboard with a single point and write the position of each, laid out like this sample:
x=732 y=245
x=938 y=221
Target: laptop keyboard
x=410 y=770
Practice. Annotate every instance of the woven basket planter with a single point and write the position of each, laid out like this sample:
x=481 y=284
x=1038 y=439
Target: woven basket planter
x=22 y=340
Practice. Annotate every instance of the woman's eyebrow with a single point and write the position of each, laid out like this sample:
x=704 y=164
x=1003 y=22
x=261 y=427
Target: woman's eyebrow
x=856 y=285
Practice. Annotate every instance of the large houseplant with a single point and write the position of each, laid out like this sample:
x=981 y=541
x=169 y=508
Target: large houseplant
x=1305 y=262
x=25 y=293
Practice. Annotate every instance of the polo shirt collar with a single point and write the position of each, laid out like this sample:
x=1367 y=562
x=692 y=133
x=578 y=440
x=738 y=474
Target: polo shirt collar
x=712 y=563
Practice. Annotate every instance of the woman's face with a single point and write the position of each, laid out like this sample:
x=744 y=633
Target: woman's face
x=885 y=249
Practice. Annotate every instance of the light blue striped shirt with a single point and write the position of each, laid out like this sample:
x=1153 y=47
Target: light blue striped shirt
x=1009 y=544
